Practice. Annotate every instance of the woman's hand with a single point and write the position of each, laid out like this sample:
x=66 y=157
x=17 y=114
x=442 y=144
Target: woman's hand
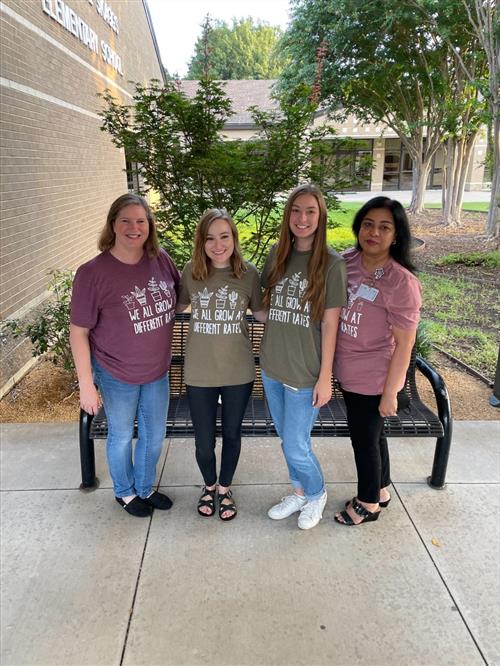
x=388 y=405
x=90 y=400
x=322 y=392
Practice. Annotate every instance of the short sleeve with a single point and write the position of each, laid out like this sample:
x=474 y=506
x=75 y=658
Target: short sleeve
x=84 y=299
x=404 y=304
x=336 y=284
x=255 y=303
x=267 y=267
x=184 y=296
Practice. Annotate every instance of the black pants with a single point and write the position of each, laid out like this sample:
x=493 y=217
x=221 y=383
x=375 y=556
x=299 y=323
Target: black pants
x=370 y=446
x=203 y=403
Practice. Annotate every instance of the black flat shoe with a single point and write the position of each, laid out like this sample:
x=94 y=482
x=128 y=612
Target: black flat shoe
x=135 y=507
x=158 y=501
x=365 y=515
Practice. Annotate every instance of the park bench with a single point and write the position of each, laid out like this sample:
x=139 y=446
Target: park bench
x=415 y=420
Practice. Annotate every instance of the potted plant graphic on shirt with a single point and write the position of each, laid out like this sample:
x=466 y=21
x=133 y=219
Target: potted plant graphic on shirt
x=140 y=295
x=279 y=285
x=205 y=297
x=293 y=284
x=154 y=288
x=164 y=287
x=233 y=299
x=221 y=297
x=128 y=302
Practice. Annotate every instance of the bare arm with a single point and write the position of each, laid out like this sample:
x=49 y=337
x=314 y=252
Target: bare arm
x=329 y=325
x=260 y=315
x=405 y=339
x=79 y=340
x=180 y=307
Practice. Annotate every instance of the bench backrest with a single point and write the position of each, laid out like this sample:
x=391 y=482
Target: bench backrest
x=256 y=330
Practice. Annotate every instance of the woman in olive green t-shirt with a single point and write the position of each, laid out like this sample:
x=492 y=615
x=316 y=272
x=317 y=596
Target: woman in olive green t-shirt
x=305 y=287
x=220 y=286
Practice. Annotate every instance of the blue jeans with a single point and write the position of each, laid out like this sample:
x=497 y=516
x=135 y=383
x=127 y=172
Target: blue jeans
x=294 y=417
x=123 y=403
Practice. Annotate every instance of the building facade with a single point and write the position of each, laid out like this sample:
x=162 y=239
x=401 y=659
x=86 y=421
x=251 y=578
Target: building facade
x=391 y=165
x=58 y=171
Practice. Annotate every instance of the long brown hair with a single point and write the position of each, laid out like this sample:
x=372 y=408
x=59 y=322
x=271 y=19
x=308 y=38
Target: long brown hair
x=316 y=266
x=201 y=265
x=107 y=238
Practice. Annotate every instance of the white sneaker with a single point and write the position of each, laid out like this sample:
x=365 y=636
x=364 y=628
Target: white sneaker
x=312 y=512
x=288 y=505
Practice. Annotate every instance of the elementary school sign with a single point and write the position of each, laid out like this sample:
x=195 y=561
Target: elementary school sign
x=63 y=14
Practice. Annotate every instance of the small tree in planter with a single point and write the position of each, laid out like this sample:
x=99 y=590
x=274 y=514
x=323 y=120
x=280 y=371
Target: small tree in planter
x=180 y=153
x=49 y=332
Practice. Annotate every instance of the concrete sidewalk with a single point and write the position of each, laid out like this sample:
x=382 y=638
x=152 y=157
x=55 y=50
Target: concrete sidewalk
x=85 y=583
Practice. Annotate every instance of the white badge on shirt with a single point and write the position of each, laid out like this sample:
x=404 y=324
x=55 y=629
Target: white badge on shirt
x=366 y=292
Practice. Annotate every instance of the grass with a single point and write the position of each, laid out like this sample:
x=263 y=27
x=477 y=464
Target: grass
x=481 y=206
x=485 y=259
x=463 y=318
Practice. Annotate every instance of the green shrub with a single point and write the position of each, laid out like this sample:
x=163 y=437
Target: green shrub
x=423 y=342
x=50 y=330
x=485 y=259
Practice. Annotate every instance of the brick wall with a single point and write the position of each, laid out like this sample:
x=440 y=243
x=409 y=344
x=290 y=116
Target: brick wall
x=58 y=171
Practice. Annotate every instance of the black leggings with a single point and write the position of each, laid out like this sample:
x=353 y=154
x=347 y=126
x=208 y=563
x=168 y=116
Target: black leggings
x=370 y=446
x=203 y=406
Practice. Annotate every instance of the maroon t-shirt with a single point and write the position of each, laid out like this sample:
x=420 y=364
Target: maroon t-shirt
x=130 y=311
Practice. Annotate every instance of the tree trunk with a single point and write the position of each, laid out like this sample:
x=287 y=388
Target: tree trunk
x=420 y=174
x=493 y=220
x=458 y=155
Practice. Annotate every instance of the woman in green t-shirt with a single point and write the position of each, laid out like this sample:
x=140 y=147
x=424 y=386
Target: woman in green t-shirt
x=305 y=287
x=220 y=286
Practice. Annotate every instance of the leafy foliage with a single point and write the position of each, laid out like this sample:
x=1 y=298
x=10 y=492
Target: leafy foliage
x=181 y=154
x=382 y=62
x=486 y=259
x=244 y=50
x=50 y=330
x=423 y=340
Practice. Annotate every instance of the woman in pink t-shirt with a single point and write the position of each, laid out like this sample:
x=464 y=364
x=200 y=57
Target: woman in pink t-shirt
x=376 y=335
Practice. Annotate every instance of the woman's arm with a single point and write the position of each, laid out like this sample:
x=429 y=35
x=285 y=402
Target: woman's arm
x=79 y=340
x=329 y=325
x=405 y=339
x=180 y=307
x=260 y=315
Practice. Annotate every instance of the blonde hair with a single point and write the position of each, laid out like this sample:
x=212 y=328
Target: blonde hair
x=107 y=238
x=317 y=264
x=201 y=265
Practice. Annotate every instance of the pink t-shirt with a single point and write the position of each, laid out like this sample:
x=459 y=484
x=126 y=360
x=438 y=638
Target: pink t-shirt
x=365 y=343
x=130 y=312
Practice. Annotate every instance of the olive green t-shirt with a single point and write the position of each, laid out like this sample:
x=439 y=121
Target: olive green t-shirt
x=218 y=350
x=291 y=346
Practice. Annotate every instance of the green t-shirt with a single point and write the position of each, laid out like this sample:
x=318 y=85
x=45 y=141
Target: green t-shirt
x=218 y=350
x=291 y=346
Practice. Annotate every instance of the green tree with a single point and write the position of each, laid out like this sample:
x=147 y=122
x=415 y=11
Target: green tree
x=448 y=20
x=244 y=50
x=382 y=63
x=181 y=154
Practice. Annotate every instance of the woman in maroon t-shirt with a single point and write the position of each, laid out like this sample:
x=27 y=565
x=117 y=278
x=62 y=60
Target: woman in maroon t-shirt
x=376 y=334
x=122 y=316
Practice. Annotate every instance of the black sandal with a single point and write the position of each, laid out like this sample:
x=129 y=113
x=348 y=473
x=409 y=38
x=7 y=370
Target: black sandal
x=210 y=503
x=367 y=516
x=226 y=507
x=382 y=505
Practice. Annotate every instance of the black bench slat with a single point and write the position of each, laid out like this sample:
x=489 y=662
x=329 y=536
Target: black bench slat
x=417 y=420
